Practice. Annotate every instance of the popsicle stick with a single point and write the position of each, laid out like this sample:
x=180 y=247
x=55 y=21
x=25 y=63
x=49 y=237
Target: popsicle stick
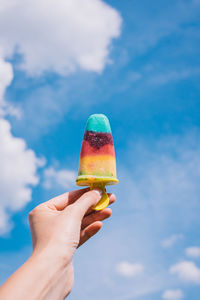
x=104 y=201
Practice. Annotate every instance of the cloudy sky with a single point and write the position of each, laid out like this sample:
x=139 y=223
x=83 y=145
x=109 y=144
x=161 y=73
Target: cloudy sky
x=139 y=63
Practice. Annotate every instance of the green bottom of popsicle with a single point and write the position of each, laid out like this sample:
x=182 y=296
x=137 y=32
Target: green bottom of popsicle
x=88 y=180
x=96 y=174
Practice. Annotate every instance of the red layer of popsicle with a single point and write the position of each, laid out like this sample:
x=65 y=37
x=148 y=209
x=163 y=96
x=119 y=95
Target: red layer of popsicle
x=86 y=149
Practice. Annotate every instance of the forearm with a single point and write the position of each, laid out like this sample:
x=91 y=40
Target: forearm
x=44 y=276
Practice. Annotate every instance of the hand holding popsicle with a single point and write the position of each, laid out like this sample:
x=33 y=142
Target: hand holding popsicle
x=58 y=227
x=97 y=167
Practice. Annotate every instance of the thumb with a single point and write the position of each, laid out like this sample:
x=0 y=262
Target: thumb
x=86 y=201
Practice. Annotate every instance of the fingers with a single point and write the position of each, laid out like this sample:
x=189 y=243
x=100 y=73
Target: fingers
x=112 y=198
x=96 y=216
x=86 y=201
x=61 y=201
x=89 y=231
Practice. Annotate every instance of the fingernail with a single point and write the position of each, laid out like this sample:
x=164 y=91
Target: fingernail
x=98 y=191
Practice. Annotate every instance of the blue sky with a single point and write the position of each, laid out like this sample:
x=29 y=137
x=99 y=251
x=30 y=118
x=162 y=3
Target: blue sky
x=139 y=63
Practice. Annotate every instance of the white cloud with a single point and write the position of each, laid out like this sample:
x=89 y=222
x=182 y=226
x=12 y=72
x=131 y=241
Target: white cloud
x=170 y=241
x=18 y=164
x=18 y=174
x=193 y=252
x=172 y=295
x=58 y=35
x=128 y=269
x=186 y=271
x=6 y=76
x=58 y=178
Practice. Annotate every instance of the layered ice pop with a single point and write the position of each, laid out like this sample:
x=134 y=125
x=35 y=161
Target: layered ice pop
x=97 y=166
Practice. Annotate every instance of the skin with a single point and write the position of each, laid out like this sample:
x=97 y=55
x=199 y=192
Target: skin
x=58 y=227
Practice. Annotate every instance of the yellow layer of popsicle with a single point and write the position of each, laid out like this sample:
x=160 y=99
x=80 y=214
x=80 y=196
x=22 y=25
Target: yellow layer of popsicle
x=98 y=165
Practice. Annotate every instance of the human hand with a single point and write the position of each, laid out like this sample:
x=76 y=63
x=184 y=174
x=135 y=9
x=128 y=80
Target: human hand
x=65 y=222
x=58 y=227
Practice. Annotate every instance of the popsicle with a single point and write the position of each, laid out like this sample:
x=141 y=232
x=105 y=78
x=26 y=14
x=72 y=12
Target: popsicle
x=97 y=166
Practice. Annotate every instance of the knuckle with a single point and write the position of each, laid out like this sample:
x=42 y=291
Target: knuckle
x=34 y=212
x=31 y=213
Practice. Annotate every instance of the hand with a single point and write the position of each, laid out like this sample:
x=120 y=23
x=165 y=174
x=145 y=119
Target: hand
x=58 y=227
x=66 y=222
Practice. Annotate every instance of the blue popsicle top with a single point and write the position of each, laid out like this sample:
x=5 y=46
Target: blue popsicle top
x=98 y=123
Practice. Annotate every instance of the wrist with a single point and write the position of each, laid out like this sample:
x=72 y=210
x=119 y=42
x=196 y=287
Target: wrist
x=53 y=254
x=56 y=272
